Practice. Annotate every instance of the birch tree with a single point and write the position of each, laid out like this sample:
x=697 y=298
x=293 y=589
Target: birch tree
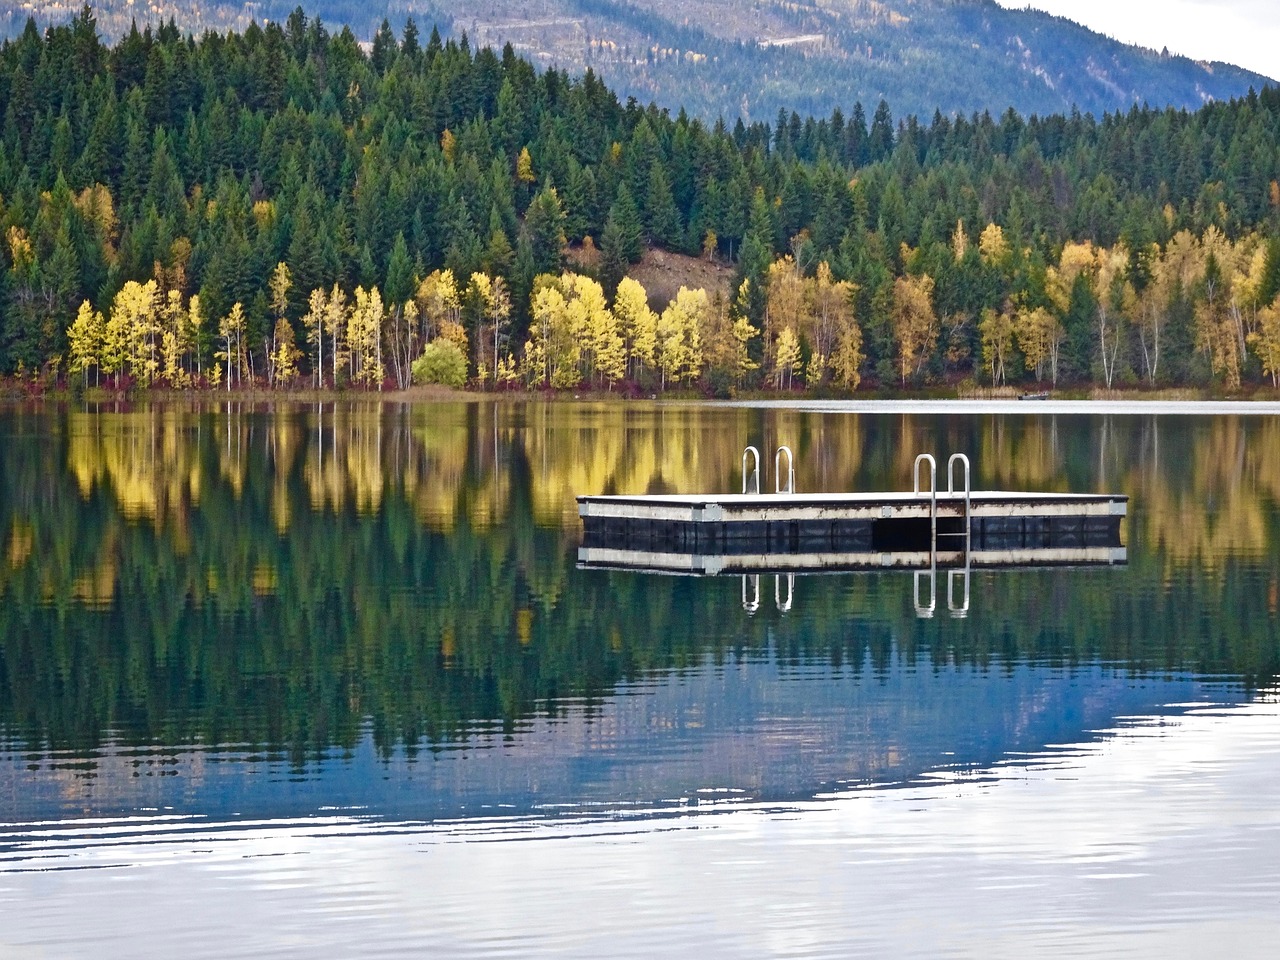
x=915 y=325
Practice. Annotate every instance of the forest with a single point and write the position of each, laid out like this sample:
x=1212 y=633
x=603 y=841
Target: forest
x=280 y=208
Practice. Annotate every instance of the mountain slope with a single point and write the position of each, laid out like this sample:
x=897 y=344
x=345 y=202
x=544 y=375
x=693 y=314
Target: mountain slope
x=751 y=58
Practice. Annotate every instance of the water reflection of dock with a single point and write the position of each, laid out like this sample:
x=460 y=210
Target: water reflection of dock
x=787 y=533
x=710 y=565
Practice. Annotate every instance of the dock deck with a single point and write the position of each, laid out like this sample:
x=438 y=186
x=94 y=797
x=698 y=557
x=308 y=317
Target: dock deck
x=848 y=524
x=791 y=507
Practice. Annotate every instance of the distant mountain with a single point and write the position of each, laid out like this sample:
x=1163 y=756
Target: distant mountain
x=751 y=58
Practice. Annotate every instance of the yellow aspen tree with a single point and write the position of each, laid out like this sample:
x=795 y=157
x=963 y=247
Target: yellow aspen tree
x=286 y=354
x=557 y=350
x=1215 y=334
x=439 y=306
x=534 y=367
x=847 y=360
x=1215 y=329
x=448 y=145
x=604 y=350
x=993 y=247
x=1266 y=341
x=787 y=304
x=1248 y=274
x=494 y=306
x=84 y=340
x=1112 y=298
x=638 y=323
x=195 y=324
x=335 y=319
x=607 y=346
x=132 y=331
x=679 y=334
x=996 y=331
x=787 y=362
x=915 y=324
x=959 y=242
x=114 y=352
x=278 y=287
x=743 y=334
x=174 y=343
x=743 y=331
x=1060 y=279
x=832 y=315
x=1168 y=269
x=669 y=355
x=313 y=321
x=409 y=314
x=1038 y=333
x=231 y=333
x=724 y=340
x=364 y=337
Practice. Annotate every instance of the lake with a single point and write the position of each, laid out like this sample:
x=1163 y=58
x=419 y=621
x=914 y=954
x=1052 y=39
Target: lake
x=326 y=680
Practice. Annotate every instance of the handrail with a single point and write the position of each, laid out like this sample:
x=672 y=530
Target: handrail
x=958 y=611
x=968 y=526
x=784 y=607
x=925 y=611
x=756 y=472
x=752 y=605
x=777 y=472
x=933 y=495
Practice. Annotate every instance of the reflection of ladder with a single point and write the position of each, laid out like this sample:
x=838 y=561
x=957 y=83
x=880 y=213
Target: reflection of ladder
x=925 y=609
x=751 y=603
x=752 y=479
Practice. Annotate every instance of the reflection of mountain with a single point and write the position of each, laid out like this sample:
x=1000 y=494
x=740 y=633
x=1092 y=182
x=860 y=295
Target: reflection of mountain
x=288 y=580
x=746 y=729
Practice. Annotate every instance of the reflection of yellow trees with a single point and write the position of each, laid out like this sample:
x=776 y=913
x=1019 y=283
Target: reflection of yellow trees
x=1020 y=455
x=435 y=469
x=284 y=439
x=147 y=460
x=1204 y=487
x=1200 y=493
x=21 y=539
x=95 y=587
x=1229 y=484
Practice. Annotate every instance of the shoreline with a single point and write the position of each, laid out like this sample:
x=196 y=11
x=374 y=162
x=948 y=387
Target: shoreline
x=1262 y=403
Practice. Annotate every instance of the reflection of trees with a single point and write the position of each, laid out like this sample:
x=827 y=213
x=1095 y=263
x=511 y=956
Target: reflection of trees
x=281 y=578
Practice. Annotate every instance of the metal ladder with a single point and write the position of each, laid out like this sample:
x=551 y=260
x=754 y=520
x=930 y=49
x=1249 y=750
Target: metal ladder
x=752 y=478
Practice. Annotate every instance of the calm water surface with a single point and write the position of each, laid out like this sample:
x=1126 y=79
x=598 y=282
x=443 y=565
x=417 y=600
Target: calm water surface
x=326 y=681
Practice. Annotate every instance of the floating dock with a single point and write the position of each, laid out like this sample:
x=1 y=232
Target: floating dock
x=709 y=534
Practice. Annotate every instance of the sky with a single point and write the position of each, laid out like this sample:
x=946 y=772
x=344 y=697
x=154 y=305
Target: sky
x=1243 y=32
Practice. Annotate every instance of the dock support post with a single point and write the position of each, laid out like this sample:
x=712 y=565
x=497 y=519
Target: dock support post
x=755 y=472
x=753 y=604
x=933 y=495
x=777 y=472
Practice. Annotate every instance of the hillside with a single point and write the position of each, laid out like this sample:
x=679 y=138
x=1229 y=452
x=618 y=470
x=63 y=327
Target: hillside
x=751 y=58
x=199 y=212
